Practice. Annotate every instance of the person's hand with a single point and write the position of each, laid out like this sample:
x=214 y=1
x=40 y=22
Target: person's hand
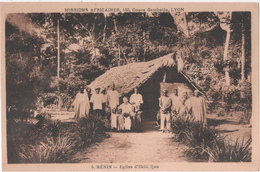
x=114 y=110
x=133 y=108
x=164 y=111
x=119 y=111
x=126 y=115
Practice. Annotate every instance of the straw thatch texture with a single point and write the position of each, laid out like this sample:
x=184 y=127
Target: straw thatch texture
x=194 y=85
x=127 y=77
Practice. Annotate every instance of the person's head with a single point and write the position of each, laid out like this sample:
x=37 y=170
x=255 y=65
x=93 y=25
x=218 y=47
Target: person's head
x=125 y=100
x=165 y=92
x=196 y=93
x=104 y=91
x=113 y=87
x=97 y=90
x=183 y=100
x=81 y=88
x=175 y=91
x=136 y=90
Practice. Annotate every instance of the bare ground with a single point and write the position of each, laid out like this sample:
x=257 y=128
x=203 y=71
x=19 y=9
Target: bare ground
x=150 y=145
x=231 y=127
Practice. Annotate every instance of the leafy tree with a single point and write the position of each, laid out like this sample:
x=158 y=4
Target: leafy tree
x=92 y=43
x=23 y=53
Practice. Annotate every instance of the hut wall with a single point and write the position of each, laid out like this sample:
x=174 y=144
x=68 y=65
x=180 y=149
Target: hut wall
x=182 y=87
x=178 y=80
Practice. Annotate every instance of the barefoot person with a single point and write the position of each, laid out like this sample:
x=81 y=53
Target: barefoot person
x=165 y=109
x=81 y=104
x=113 y=102
x=125 y=117
x=197 y=107
x=136 y=100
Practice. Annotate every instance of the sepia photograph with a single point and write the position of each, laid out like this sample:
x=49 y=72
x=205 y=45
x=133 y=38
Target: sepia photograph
x=135 y=87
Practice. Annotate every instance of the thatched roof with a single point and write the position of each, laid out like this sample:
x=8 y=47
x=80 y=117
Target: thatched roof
x=194 y=84
x=129 y=76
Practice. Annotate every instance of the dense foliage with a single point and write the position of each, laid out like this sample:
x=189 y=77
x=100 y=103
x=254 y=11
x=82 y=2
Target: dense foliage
x=207 y=144
x=92 y=43
x=50 y=141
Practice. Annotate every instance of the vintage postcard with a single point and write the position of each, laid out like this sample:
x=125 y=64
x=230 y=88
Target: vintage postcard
x=129 y=86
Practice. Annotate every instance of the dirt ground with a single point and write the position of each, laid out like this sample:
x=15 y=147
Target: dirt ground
x=150 y=145
x=230 y=127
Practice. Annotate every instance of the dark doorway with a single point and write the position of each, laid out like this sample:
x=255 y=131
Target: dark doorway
x=150 y=91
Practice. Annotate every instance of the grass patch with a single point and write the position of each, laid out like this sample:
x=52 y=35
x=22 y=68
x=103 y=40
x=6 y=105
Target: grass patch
x=51 y=141
x=228 y=151
x=52 y=151
x=205 y=143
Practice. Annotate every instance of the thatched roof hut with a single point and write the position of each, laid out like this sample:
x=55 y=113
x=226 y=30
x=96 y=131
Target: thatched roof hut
x=127 y=77
x=132 y=75
x=151 y=77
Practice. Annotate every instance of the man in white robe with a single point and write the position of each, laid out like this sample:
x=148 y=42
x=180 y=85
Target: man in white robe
x=125 y=117
x=181 y=109
x=113 y=102
x=136 y=100
x=81 y=104
x=196 y=106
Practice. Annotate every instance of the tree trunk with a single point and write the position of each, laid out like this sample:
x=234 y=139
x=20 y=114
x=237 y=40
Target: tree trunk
x=92 y=39
x=225 y=58
x=243 y=54
x=186 y=31
x=225 y=18
x=242 y=94
x=133 y=45
x=119 y=55
x=180 y=20
x=144 y=46
x=58 y=63
x=104 y=31
x=58 y=49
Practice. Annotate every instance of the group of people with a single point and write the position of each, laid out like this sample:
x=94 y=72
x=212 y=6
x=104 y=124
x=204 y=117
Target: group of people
x=127 y=116
x=174 y=105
